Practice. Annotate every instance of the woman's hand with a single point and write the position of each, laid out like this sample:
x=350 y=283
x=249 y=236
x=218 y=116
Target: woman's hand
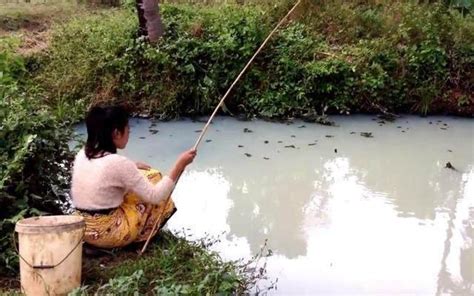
x=183 y=160
x=142 y=166
x=186 y=158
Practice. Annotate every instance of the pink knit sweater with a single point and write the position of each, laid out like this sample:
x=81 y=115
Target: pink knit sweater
x=101 y=183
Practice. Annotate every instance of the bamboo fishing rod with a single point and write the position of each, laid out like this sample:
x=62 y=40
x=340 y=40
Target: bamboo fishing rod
x=201 y=135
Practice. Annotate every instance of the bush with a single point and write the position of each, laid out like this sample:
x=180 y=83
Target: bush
x=408 y=57
x=35 y=161
x=12 y=68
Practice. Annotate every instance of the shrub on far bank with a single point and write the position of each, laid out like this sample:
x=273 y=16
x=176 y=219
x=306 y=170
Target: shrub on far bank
x=335 y=57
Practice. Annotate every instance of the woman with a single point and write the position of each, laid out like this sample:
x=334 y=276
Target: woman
x=120 y=203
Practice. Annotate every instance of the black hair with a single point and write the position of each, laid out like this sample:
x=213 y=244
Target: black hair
x=101 y=122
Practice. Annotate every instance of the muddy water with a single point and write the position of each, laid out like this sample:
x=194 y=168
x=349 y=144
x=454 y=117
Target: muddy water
x=343 y=212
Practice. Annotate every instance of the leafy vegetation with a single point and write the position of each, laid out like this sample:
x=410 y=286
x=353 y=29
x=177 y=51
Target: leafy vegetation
x=34 y=157
x=338 y=57
x=173 y=266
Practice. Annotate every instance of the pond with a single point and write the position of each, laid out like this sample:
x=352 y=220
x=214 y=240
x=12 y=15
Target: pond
x=366 y=206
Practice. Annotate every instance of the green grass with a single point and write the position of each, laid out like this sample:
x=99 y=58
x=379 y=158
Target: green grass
x=171 y=266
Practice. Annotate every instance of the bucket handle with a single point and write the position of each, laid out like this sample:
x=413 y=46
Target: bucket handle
x=46 y=266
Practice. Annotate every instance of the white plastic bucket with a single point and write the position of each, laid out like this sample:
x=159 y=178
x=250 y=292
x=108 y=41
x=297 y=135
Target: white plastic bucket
x=50 y=250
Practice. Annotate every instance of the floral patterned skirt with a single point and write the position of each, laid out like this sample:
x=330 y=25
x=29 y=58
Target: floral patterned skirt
x=131 y=222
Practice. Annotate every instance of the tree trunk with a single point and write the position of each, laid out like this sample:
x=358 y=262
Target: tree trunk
x=149 y=19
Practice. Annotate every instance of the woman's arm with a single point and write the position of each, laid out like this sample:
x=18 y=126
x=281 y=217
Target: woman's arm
x=134 y=180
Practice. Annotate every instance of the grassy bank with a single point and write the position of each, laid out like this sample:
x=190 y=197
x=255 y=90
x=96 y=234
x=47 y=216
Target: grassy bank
x=334 y=57
x=172 y=266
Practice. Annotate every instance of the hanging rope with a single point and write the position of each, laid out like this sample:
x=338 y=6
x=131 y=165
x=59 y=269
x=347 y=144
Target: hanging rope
x=203 y=132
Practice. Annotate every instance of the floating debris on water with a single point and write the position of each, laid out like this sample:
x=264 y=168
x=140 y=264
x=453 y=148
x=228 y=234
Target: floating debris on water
x=403 y=131
x=311 y=144
x=293 y=136
x=142 y=138
x=248 y=154
x=247 y=130
x=302 y=126
x=290 y=146
x=388 y=117
x=335 y=150
x=399 y=127
x=266 y=142
x=353 y=133
x=153 y=131
x=202 y=120
x=449 y=150
x=431 y=122
x=198 y=131
x=366 y=134
x=443 y=128
x=240 y=146
x=153 y=124
x=208 y=140
x=321 y=119
x=266 y=158
x=243 y=117
x=329 y=136
x=450 y=166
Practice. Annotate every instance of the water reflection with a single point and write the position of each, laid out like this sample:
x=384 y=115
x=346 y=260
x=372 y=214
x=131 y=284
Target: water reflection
x=349 y=237
x=456 y=274
x=268 y=206
x=205 y=212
